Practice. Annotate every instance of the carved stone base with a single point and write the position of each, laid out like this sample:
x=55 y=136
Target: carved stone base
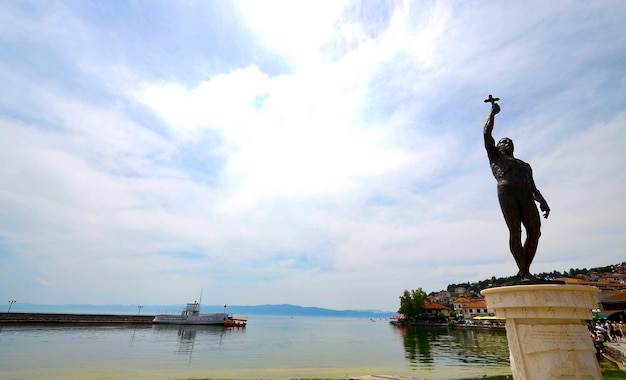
x=547 y=331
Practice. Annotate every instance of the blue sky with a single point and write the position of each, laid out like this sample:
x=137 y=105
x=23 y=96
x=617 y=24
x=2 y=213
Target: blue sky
x=319 y=153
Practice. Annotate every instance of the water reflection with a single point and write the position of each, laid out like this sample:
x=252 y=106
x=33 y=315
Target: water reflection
x=480 y=346
x=426 y=346
x=141 y=327
x=187 y=334
x=416 y=345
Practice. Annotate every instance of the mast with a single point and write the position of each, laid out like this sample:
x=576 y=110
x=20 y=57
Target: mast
x=201 y=289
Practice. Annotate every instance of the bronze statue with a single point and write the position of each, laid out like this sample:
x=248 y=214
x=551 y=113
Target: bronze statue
x=517 y=194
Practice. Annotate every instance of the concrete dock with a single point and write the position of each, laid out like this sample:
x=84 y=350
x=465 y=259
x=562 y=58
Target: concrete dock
x=58 y=318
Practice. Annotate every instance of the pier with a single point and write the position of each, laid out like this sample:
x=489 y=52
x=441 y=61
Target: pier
x=58 y=318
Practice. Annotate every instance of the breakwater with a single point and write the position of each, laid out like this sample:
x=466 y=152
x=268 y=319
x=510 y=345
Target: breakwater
x=54 y=318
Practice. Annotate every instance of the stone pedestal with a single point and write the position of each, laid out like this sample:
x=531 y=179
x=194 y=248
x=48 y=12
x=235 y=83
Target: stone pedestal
x=547 y=331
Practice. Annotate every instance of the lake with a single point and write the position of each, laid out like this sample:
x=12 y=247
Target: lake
x=270 y=347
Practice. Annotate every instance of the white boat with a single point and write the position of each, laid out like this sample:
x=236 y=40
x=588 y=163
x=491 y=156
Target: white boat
x=191 y=316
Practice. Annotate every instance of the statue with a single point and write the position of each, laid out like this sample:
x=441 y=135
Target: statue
x=517 y=194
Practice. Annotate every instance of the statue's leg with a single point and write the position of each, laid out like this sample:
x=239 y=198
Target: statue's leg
x=532 y=224
x=513 y=218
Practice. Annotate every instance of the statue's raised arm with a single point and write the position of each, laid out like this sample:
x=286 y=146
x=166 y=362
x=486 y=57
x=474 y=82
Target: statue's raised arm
x=490 y=143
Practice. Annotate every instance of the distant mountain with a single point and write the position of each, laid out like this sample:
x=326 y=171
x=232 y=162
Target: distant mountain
x=293 y=310
x=268 y=310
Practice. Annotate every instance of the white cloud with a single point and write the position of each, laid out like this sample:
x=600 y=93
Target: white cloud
x=281 y=136
x=294 y=30
x=356 y=167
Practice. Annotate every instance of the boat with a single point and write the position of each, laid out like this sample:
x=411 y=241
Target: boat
x=236 y=322
x=191 y=316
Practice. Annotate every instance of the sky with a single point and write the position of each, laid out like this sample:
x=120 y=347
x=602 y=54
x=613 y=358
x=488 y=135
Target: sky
x=317 y=153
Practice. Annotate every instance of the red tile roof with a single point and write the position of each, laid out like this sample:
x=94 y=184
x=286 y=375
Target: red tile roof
x=462 y=300
x=476 y=305
x=598 y=284
x=616 y=297
x=432 y=305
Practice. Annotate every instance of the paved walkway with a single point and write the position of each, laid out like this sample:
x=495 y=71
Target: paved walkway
x=381 y=377
x=617 y=353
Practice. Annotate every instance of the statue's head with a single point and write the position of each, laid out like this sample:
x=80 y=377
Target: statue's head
x=505 y=145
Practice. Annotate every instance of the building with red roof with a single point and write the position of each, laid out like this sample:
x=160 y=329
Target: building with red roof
x=433 y=309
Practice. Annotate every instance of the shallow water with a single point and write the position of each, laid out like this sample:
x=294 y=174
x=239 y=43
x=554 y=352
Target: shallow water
x=270 y=347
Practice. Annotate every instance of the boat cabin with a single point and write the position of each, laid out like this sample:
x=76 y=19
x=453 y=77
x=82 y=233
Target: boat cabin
x=192 y=309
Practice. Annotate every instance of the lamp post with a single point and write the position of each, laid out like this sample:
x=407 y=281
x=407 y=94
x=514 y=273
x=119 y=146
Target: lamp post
x=139 y=307
x=11 y=302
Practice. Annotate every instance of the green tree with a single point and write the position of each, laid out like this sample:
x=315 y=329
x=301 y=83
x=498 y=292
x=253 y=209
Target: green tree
x=412 y=303
x=606 y=269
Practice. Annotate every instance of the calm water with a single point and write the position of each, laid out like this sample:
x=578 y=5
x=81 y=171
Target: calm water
x=270 y=347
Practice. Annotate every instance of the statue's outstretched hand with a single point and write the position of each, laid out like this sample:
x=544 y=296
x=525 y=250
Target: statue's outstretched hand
x=546 y=210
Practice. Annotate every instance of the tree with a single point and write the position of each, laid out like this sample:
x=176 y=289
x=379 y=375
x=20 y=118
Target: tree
x=412 y=303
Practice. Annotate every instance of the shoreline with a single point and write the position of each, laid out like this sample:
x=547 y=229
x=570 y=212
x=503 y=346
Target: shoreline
x=445 y=325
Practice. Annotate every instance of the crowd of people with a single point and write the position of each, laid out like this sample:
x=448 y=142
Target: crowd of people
x=606 y=331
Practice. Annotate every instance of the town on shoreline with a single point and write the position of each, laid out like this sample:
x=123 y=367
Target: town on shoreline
x=462 y=304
